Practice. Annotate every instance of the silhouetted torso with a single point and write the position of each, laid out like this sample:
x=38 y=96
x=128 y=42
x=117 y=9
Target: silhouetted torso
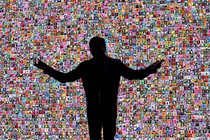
x=101 y=81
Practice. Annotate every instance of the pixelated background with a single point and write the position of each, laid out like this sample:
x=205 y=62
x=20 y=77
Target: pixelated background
x=173 y=103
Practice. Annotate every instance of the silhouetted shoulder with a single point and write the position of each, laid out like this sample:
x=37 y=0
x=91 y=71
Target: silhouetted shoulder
x=84 y=63
x=113 y=61
x=87 y=64
x=117 y=61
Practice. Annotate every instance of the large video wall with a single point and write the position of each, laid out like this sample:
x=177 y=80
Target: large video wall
x=173 y=103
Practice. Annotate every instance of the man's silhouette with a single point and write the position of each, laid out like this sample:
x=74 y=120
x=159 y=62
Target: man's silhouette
x=100 y=76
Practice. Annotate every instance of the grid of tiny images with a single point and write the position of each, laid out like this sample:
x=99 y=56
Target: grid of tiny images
x=170 y=104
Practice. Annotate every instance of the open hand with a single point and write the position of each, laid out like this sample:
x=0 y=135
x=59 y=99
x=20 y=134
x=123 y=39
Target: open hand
x=39 y=64
x=153 y=67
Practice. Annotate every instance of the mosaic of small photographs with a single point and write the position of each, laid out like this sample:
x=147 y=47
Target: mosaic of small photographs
x=173 y=103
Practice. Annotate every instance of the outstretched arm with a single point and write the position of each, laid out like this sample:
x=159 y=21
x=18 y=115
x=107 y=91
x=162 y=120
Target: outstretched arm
x=138 y=74
x=59 y=76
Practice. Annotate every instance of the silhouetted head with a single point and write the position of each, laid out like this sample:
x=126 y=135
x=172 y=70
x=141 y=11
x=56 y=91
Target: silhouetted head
x=97 y=47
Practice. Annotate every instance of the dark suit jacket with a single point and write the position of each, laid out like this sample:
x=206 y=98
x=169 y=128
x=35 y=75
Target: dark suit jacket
x=100 y=79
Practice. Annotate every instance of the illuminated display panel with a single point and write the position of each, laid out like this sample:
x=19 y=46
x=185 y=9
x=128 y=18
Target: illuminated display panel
x=174 y=103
